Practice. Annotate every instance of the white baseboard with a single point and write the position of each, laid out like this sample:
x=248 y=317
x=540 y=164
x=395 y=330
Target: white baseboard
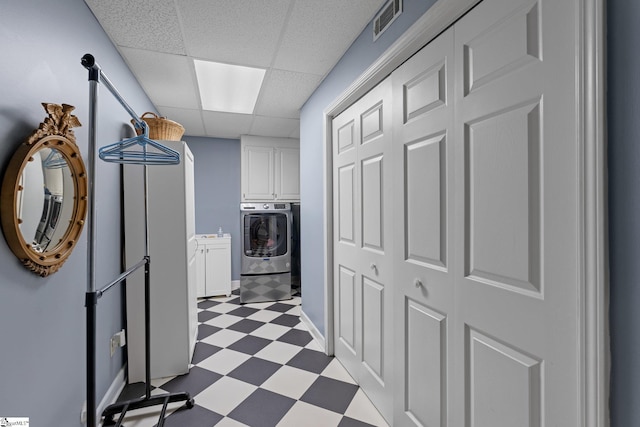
x=110 y=396
x=315 y=333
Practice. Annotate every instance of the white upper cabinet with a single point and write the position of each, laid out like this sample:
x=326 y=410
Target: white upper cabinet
x=270 y=169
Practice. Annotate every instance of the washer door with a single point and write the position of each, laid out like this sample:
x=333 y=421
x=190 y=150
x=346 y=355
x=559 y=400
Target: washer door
x=265 y=235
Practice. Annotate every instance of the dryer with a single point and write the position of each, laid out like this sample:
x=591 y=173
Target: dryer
x=265 y=260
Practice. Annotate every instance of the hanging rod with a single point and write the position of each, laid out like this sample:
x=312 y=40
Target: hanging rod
x=96 y=74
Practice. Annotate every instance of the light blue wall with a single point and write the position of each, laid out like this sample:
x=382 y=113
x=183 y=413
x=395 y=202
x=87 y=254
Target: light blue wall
x=624 y=208
x=355 y=61
x=42 y=320
x=217 y=181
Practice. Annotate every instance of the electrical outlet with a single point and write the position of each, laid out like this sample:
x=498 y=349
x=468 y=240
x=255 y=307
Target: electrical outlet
x=117 y=340
x=113 y=344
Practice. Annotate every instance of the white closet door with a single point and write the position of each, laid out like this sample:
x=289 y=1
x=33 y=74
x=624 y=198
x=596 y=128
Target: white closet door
x=423 y=229
x=362 y=244
x=516 y=348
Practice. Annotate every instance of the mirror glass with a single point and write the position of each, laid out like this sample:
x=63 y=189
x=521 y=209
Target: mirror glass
x=44 y=205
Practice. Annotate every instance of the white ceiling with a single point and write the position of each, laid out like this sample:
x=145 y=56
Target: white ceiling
x=297 y=41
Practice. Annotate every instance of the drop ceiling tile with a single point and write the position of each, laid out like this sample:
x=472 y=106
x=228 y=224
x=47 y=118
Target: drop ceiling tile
x=191 y=120
x=244 y=32
x=273 y=126
x=144 y=24
x=305 y=46
x=285 y=92
x=226 y=125
x=168 y=80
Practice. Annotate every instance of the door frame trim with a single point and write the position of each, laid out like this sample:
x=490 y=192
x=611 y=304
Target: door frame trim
x=594 y=366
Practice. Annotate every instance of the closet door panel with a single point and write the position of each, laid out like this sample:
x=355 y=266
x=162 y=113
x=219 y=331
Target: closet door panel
x=503 y=199
x=347 y=235
x=425 y=92
x=372 y=204
x=362 y=210
x=517 y=281
x=425 y=202
x=347 y=308
x=426 y=357
x=346 y=195
x=510 y=43
x=502 y=377
x=422 y=128
x=373 y=329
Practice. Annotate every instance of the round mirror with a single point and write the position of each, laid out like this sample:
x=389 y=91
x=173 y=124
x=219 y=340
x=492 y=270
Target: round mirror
x=44 y=194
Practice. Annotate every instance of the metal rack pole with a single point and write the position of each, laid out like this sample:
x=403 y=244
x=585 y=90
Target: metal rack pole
x=91 y=299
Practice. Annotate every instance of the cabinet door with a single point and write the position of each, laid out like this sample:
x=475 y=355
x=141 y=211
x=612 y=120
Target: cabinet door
x=258 y=173
x=288 y=173
x=218 y=271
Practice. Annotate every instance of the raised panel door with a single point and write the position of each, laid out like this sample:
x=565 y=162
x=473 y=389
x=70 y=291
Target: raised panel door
x=424 y=301
x=363 y=205
x=258 y=171
x=288 y=173
x=517 y=216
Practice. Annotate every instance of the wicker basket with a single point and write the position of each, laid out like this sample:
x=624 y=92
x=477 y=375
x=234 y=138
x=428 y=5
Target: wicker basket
x=161 y=128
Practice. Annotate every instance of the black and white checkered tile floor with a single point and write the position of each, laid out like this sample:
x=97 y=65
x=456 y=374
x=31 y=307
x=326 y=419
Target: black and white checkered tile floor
x=257 y=365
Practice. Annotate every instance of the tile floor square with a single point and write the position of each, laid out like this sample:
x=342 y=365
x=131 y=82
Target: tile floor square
x=281 y=307
x=279 y=352
x=224 y=395
x=304 y=414
x=205 y=315
x=196 y=416
x=290 y=382
x=309 y=360
x=249 y=344
x=223 y=320
x=205 y=330
x=254 y=371
x=270 y=331
x=286 y=320
x=193 y=383
x=330 y=394
x=207 y=303
x=363 y=410
x=272 y=406
x=246 y=326
x=297 y=337
x=264 y=316
x=223 y=338
x=243 y=311
x=203 y=351
x=224 y=361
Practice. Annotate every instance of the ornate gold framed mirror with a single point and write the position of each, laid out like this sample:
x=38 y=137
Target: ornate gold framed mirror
x=43 y=199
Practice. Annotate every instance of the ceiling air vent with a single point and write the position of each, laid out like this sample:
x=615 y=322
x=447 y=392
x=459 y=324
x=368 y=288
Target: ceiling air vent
x=387 y=15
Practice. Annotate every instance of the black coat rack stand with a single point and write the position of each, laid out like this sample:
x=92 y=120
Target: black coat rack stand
x=96 y=76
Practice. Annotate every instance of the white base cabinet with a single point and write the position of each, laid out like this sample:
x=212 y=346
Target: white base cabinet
x=213 y=265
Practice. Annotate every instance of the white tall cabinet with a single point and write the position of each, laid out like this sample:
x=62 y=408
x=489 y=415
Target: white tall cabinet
x=172 y=250
x=270 y=169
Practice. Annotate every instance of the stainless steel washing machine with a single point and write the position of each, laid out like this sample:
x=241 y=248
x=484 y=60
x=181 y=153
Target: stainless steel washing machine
x=265 y=264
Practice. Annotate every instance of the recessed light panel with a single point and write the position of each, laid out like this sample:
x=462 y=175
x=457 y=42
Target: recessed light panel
x=228 y=88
